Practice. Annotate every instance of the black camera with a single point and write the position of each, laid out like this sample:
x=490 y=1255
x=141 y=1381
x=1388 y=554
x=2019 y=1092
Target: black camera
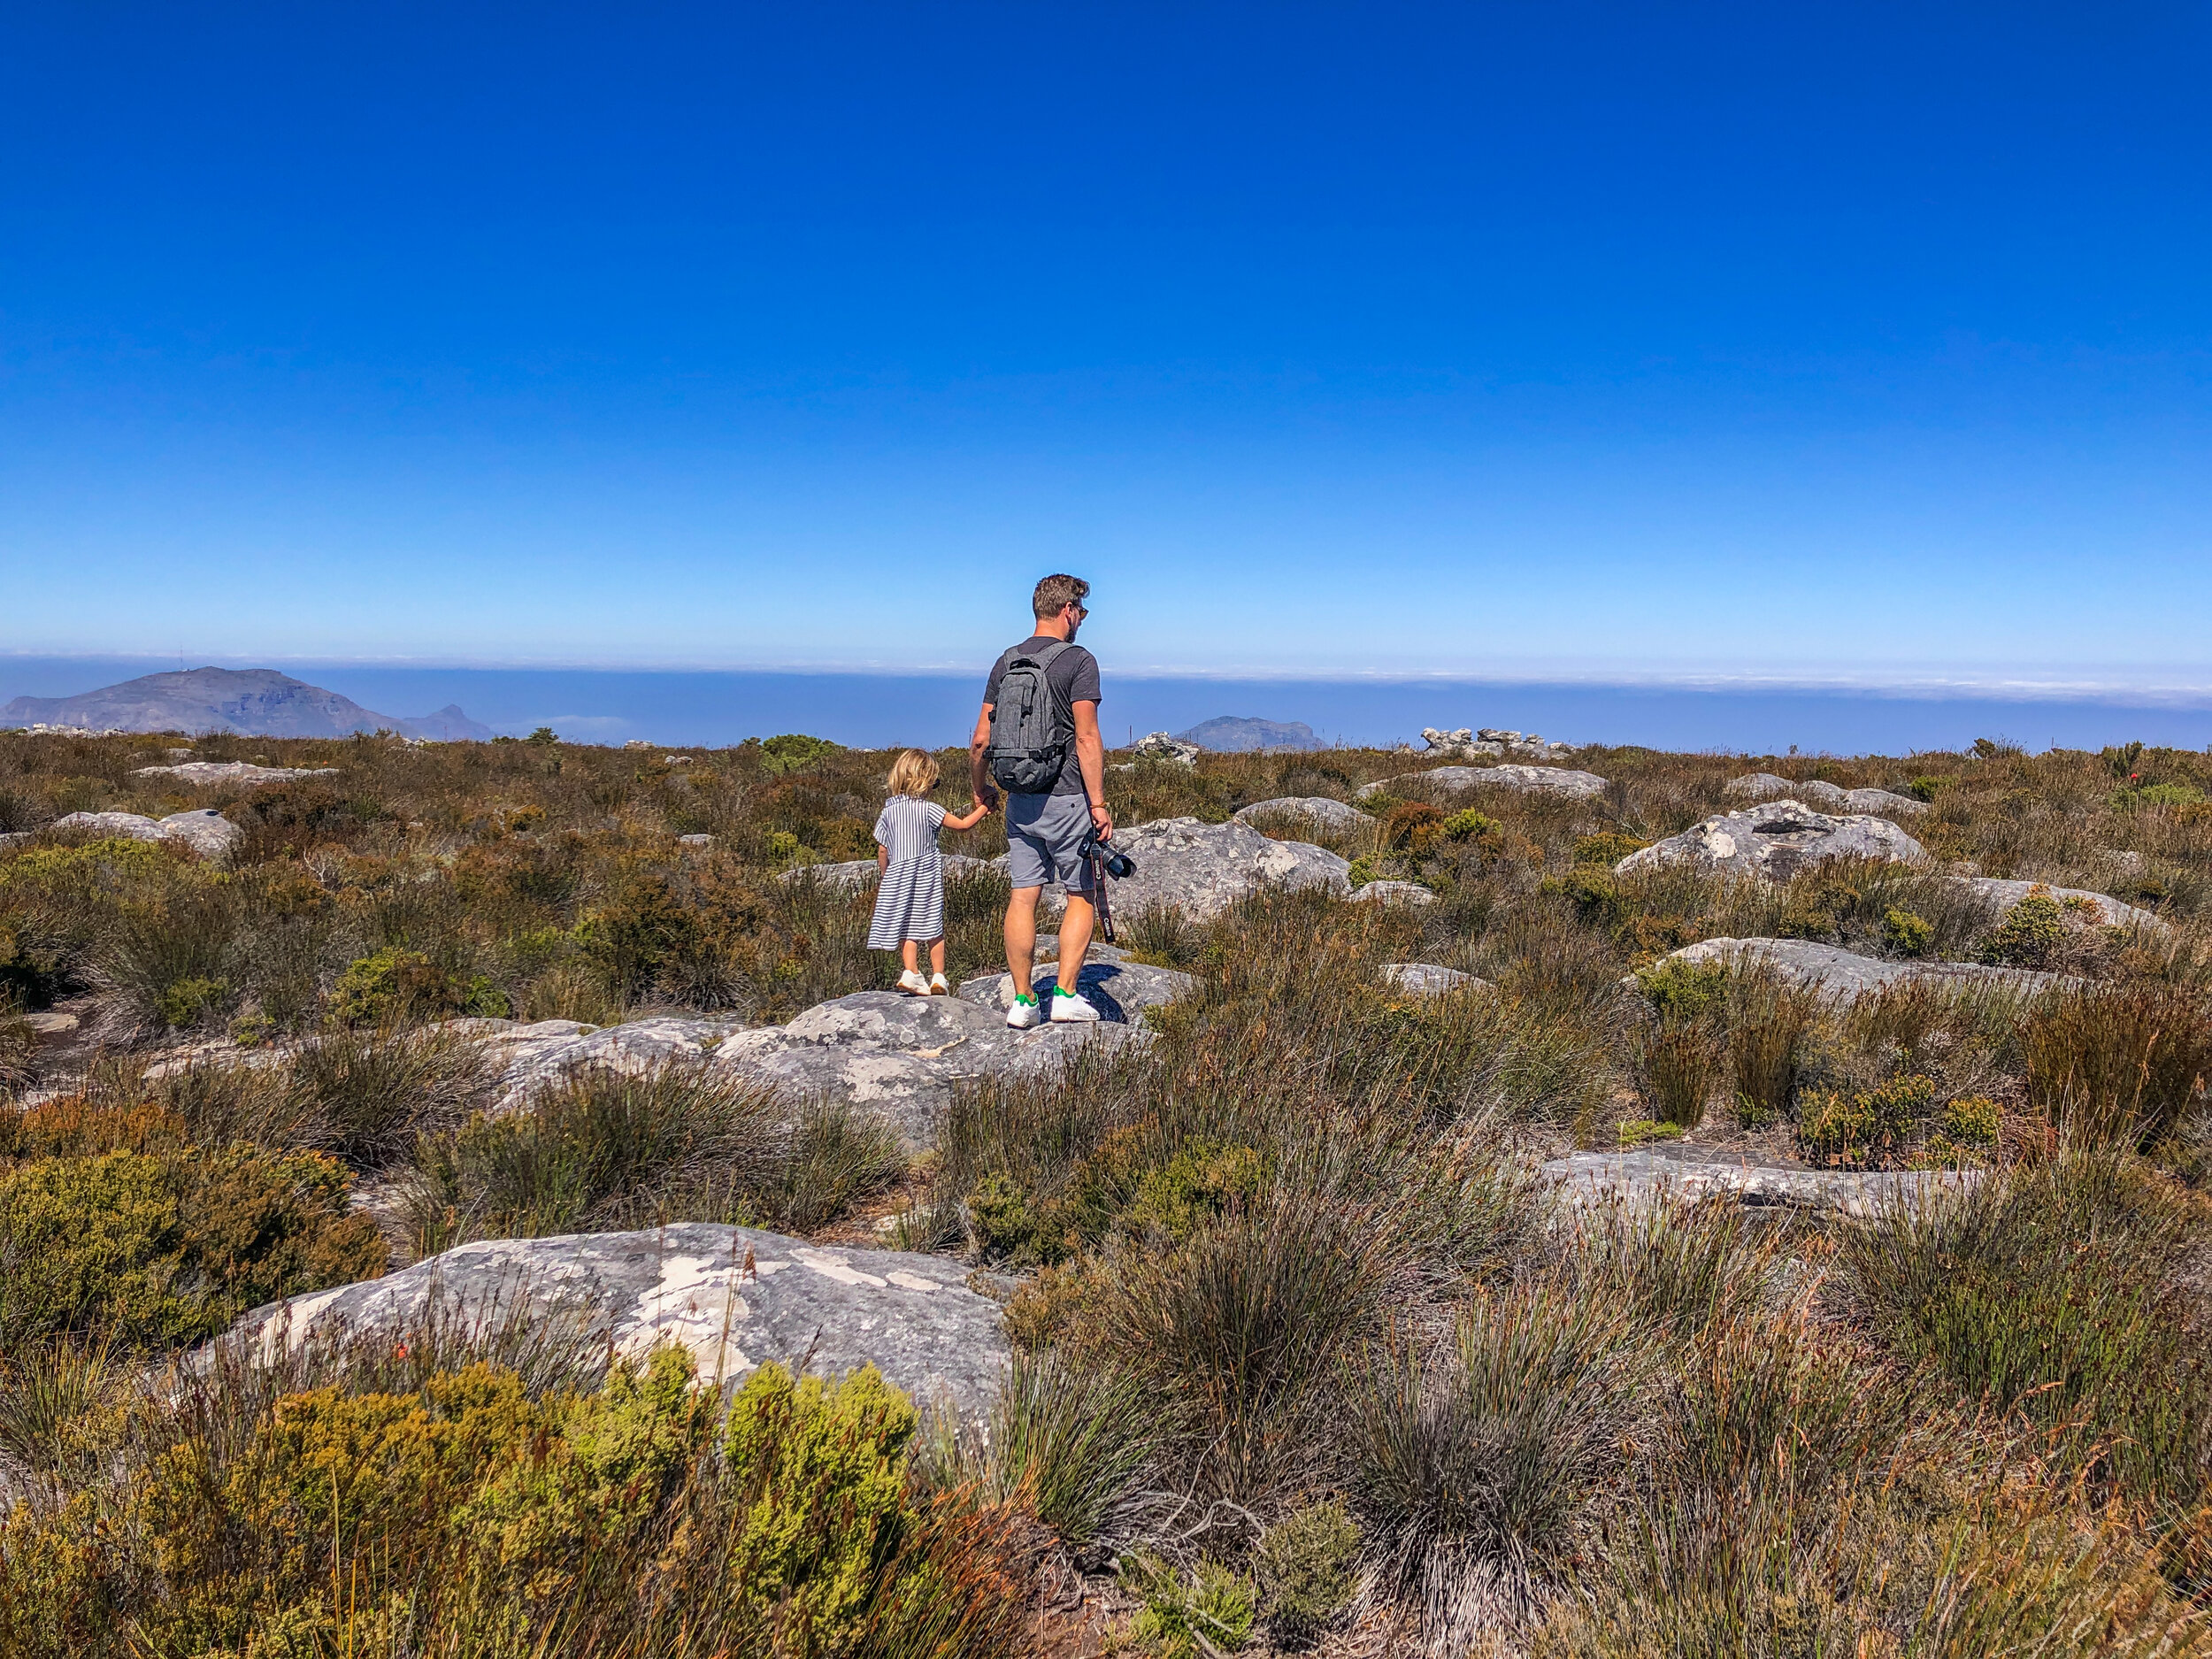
x=1117 y=864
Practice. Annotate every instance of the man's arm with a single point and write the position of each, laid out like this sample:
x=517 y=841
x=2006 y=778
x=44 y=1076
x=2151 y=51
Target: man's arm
x=1090 y=755
x=980 y=782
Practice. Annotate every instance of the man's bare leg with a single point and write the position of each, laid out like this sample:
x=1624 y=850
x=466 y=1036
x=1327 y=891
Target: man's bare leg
x=1021 y=937
x=1076 y=922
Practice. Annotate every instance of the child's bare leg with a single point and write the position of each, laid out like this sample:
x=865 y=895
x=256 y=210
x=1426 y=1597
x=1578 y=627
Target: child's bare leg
x=936 y=956
x=906 y=955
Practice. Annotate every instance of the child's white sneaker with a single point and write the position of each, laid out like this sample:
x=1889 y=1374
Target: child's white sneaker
x=1071 y=1007
x=913 y=981
x=1025 y=1015
x=937 y=985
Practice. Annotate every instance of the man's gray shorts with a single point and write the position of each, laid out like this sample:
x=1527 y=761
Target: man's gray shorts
x=1044 y=841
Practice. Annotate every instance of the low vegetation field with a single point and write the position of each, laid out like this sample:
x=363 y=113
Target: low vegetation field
x=1309 y=1354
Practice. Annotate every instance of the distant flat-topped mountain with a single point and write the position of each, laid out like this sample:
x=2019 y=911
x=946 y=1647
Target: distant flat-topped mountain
x=1243 y=734
x=250 y=701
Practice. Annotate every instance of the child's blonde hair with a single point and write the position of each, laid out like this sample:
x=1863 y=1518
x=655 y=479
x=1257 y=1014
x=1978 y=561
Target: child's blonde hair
x=913 y=774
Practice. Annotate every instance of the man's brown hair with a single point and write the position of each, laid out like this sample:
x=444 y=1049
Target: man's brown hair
x=1056 y=594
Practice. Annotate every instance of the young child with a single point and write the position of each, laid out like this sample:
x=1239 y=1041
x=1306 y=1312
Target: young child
x=910 y=896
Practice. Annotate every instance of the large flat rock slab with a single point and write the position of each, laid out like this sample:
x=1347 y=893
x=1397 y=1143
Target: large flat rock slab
x=1318 y=812
x=207 y=832
x=1775 y=842
x=902 y=1056
x=1845 y=974
x=1426 y=978
x=1579 y=786
x=1759 y=786
x=537 y=1056
x=1649 y=1177
x=1121 y=991
x=205 y=773
x=734 y=1297
x=1202 y=869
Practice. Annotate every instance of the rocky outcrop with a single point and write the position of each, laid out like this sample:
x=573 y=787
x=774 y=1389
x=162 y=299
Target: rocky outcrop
x=1579 y=786
x=1333 y=817
x=204 y=772
x=1844 y=974
x=1651 y=1176
x=1160 y=747
x=1775 y=842
x=531 y=1057
x=2001 y=896
x=1121 y=991
x=735 y=1298
x=1758 y=785
x=1202 y=869
x=1467 y=741
x=901 y=1056
x=207 y=832
x=1403 y=893
x=1425 y=979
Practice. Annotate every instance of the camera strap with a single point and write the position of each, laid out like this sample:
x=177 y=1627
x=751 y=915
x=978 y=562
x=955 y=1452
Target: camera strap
x=1098 y=887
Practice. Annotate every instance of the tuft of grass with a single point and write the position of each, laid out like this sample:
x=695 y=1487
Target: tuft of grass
x=1770 y=1022
x=61 y=1405
x=2120 y=1065
x=604 y=1150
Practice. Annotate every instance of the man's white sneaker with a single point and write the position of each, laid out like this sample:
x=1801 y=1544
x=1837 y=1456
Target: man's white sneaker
x=1025 y=1015
x=1071 y=1010
x=937 y=985
x=913 y=981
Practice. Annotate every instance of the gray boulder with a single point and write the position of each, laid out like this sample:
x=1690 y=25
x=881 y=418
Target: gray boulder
x=1844 y=974
x=1650 y=1176
x=2001 y=896
x=1403 y=893
x=1121 y=991
x=537 y=1055
x=735 y=1298
x=1579 y=786
x=1759 y=786
x=213 y=771
x=1160 y=746
x=1775 y=842
x=1882 y=803
x=1318 y=810
x=1425 y=979
x=901 y=1056
x=207 y=832
x=1202 y=869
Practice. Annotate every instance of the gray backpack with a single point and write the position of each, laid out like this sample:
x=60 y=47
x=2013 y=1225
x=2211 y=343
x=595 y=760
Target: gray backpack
x=1030 y=728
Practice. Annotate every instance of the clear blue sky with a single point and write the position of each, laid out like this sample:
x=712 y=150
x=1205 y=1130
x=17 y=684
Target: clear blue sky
x=1851 y=341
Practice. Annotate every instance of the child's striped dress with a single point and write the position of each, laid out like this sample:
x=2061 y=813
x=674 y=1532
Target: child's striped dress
x=910 y=903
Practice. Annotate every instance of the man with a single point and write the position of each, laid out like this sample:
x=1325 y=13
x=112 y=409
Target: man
x=1046 y=828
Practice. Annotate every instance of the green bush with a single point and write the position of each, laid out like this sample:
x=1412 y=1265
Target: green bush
x=395 y=984
x=1606 y=847
x=1212 y=1603
x=1682 y=991
x=1305 y=1570
x=1850 y=1127
x=1468 y=825
x=173 y=1247
x=2030 y=934
x=1972 y=1121
x=1906 y=933
x=794 y=751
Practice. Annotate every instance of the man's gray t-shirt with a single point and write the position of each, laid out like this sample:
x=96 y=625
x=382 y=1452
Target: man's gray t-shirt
x=1073 y=677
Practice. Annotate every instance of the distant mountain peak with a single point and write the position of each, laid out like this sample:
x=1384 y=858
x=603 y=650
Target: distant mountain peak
x=1245 y=733
x=247 y=701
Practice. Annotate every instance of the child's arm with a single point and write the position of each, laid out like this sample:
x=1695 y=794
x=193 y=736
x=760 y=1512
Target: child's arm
x=883 y=858
x=968 y=819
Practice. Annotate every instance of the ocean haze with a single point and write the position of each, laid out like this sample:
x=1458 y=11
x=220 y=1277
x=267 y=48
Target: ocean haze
x=598 y=706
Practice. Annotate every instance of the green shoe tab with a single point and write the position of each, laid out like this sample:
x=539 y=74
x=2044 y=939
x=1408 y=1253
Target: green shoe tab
x=1061 y=990
x=1025 y=996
